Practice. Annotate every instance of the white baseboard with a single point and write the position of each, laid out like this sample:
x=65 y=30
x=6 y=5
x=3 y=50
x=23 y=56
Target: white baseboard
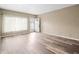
x=68 y=37
x=14 y=33
x=63 y=36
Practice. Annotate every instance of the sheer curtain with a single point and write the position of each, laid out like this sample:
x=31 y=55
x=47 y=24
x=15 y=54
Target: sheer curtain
x=13 y=23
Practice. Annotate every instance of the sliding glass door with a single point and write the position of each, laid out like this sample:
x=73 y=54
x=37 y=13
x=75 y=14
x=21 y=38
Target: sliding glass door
x=35 y=24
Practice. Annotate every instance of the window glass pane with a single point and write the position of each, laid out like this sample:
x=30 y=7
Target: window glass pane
x=37 y=25
x=34 y=24
x=21 y=24
x=8 y=24
x=14 y=23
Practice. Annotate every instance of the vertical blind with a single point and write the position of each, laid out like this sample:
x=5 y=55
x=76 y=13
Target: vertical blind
x=14 y=23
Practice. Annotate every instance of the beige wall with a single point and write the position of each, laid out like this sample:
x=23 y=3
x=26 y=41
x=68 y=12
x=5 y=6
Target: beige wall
x=0 y=27
x=63 y=22
x=0 y=22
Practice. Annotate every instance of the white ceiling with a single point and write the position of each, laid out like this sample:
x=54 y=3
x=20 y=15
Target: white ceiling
x=34 y=8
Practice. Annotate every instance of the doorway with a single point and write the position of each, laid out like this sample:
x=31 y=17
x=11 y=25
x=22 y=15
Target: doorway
x=35 y=24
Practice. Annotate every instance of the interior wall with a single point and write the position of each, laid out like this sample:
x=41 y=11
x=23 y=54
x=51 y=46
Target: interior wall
x=0 y=22
x=0 y=28
x=63 y=22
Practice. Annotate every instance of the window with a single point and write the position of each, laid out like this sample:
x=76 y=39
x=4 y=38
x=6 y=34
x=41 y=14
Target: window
x=21 y=24
x=14 y=23
x=37 y=25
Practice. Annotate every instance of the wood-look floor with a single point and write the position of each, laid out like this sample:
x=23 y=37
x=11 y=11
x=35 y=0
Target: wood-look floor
x=38 y=43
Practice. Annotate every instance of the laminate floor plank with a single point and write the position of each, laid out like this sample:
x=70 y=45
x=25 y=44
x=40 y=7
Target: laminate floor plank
x=38 y=43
